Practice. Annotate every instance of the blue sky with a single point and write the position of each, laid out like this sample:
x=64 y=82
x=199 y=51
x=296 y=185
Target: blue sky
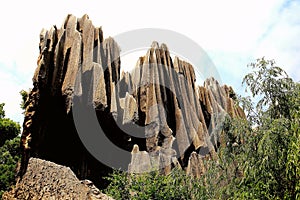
x=233 y=33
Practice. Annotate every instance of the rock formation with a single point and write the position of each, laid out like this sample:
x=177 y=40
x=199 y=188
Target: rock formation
x=47 y=180
x=156 y=111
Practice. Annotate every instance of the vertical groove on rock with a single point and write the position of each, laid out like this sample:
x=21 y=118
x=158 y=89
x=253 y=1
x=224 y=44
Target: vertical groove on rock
x=157 y=111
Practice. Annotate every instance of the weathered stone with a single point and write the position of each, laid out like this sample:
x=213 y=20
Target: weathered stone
x=125 y=84
x=195 y=165
x=87 y=31
x=114 y=102
x=72 y=65
x=130 y=109
x=72 y=71
x=47 y=180
x=99 y=92
x=157 y=107
x=140 y=161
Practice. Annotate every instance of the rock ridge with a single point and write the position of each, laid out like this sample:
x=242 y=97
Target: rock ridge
x=157 y=111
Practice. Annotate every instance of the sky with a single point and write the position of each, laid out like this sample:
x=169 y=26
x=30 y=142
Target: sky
x=233 y=33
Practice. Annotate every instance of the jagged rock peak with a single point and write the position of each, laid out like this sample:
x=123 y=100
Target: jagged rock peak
x=68 y=54
x=170 y=105
x=157 y=110
x=75 y=64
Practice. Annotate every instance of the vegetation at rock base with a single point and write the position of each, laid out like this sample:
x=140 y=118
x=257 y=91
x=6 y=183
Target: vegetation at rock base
x=9 y=157
x=261 y=158
x=9 y=150
x=176 y=185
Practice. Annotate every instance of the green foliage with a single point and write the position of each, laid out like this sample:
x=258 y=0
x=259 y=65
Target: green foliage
x=9 y=150
x=153 y=185
x=8 y=128
x=261 y=158
x=9 y=156
x=177 y=185
x=2 y=112
x=270 y=157
x=273 y=86
x=24 y=95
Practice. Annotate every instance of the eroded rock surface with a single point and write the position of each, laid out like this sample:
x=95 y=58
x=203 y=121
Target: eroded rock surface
x=47 y=180
x=181 y=119
x=157 y=111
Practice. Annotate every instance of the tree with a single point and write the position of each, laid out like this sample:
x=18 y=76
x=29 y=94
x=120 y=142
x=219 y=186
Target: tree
x=8 y=128
x=261 y=158
x=9 y=150
x=273 y=86
x=270 y=157
x=9 y=157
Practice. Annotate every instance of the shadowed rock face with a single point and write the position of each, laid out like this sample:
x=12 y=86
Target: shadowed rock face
x=156 y=111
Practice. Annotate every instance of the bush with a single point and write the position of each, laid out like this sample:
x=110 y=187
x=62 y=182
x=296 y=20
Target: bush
x=9 y=151
x=9 y=157
x=176 y=185
x=261 y=158
x=8 y=128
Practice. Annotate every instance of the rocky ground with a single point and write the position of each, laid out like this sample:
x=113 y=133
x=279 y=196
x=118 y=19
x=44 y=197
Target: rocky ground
x=47 y=180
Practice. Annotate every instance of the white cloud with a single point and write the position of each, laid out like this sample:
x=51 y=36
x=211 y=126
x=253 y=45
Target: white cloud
x=10 y=86
x=282 y=41
x=232 y=32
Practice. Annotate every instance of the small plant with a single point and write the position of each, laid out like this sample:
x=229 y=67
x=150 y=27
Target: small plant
x=153 y=185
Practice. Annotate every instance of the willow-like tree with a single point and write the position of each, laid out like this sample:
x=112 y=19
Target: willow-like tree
x=270 y=157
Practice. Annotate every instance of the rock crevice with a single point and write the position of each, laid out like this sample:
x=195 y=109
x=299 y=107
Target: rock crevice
x=157 y=111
